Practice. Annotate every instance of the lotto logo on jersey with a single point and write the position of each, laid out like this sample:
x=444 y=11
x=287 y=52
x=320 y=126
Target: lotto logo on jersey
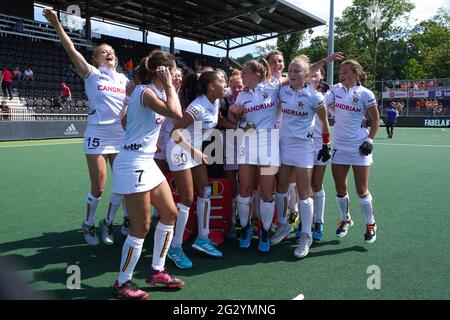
x=355 y=100
x=265 y=95
x=301 y=105
x=132 y=146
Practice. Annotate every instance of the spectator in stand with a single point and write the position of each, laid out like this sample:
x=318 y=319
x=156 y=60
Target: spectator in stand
x=28 y=74
x=129 y=67
x=5 y=109
x=68 y=71
x=6 y=80
x=65 y=95
x=438 y=110
x=16 y=73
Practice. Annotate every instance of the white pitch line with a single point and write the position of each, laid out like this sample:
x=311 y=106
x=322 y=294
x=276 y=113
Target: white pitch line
x=411 y=145
x=299 y=297
x=38 y=145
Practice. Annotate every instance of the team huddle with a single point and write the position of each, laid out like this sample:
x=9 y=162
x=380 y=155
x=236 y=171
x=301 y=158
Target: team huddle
x=158 y=124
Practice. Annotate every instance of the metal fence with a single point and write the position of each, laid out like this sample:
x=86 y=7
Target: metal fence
x=423 y=97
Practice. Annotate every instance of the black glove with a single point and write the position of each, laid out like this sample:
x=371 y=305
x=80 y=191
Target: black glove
x=324 y=153
x=366 y=148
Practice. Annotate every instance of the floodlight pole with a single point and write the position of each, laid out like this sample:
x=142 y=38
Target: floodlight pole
x=330 y=67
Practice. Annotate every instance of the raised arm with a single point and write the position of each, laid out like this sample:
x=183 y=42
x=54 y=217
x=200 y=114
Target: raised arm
x=170 y=108
x=332 y=57
x=80 y=63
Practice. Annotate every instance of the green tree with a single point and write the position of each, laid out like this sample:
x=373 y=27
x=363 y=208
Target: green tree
x=367 y=23
x=431 y=40
x=242 y=60
x=413 y=70
x=290 y=45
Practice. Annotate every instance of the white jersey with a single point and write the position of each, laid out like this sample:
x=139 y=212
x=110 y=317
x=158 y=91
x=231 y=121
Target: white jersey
x=299 y=108
x=105 y=89
x=143 y=124
x=205 y=112
x=350 y=107
x=260 y=105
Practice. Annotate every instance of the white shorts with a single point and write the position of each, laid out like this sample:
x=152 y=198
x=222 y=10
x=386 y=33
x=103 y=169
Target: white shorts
x=317 y=147
x=348 y=153
x=103 y=138
x=297 y=153
x=261 y=148
x=179 y=158
x=134 y=173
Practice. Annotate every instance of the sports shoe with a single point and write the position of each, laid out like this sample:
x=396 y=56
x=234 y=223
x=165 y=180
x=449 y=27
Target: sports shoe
x=233 y=232
x=129 y=291
x=371 y=233
x=343 y=227
x=107 y=232
x=264 y=241
x=246 y=236
x=206 y=246
x=125 y=226
x=90 y=235
x=177 y=255
x=162 y=278
x=281 y=233
x=303 y=245
x=317 y=234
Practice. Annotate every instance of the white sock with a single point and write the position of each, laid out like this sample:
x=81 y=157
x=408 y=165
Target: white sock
x=344 y=207
x=114 y=204
x=131 y=251
x=281 y=201
x=163 y=238
x=243 y=205
x=267 y=211
x=293 y=197
x=319 y=206
x=367 y=209
x=180 y=225
x=91 y=207
x=203 y=211
x=307 y=213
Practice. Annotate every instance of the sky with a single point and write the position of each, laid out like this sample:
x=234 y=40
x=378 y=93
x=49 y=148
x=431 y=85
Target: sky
x=424 y=9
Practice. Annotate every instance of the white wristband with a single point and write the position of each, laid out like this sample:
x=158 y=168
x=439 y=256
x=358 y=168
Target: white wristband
x=369 y=140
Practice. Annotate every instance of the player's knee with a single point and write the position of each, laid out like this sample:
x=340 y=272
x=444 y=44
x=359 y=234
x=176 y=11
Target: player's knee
x=140 y=230
x=245 y=191
x=363 y=194
x=187 y=200
x=206 y=192
x=97 y=192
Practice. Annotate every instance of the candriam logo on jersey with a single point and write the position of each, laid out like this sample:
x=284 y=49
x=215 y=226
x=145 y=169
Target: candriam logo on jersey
x=71 y=130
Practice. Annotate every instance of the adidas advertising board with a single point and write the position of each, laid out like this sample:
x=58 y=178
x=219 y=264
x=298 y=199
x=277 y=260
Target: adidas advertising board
x=71 y=131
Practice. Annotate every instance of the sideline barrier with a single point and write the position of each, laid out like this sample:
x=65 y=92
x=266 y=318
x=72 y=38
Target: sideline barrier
x=35 y=130
x=424 y=122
